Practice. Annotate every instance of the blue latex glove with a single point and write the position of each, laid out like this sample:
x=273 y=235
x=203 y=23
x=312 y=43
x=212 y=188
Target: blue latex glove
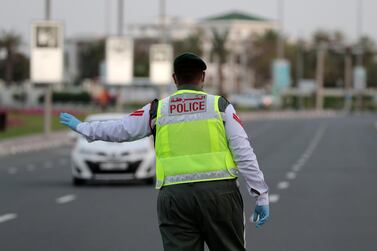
x=260 y=215
x=69 y=120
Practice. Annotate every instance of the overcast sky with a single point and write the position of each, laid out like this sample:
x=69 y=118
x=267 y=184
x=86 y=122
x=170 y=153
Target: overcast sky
x=87 y=17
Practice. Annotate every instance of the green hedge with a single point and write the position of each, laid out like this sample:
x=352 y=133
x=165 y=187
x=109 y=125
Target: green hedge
x=333 y=103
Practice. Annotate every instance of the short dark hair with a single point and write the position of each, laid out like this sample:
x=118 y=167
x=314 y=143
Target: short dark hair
x=191 y=76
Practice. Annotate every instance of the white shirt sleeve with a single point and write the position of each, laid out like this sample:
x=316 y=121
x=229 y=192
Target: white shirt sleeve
x=131 y=127
x=244 y=156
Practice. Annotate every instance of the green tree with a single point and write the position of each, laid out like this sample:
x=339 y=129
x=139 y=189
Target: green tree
x=368 y=46
x=91 y=55
x=220 y=51
x=334 y=62
x=10 y=41
x=262 y=53
x=141 y=58
x=190 y=44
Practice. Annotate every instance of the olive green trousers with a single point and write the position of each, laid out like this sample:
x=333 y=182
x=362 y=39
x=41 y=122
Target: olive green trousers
x=192 y=214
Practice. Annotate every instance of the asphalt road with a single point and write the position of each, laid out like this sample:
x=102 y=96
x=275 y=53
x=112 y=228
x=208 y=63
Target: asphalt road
x=322 y=175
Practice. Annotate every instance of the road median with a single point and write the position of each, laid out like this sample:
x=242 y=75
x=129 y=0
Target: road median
x=38 y=142
x=277 y=115
x=33 y=143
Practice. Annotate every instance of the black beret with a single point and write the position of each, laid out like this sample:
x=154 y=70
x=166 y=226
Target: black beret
x=188 y=62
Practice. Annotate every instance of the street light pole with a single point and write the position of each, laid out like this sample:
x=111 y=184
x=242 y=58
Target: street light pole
x=120 y=33
x=359 y=22
x=161 y=89
x=320 y=75
x=299 y=69
x=300 y=61
x=120 y=17
x=162 y=8
x=348 y=79
x=348 y=69
x=107 y=17
x=280 y=43
x=47 y=9
x=48 y=92
x=360 y=51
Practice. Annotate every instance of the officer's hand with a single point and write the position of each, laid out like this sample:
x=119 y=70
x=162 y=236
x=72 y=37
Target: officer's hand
x=69 y=120
x=260 y=215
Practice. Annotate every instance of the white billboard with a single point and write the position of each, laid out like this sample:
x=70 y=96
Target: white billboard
x=160 y=60
x=119 y=60
x=47 y=60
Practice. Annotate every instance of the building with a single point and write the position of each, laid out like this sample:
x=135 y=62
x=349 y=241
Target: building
x=239 y=28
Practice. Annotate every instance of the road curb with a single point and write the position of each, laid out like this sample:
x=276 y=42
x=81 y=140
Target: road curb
x=33 y=143
x=282 y=115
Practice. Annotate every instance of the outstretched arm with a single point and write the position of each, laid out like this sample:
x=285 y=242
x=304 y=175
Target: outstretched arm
x=247 y=164
x=131 y=127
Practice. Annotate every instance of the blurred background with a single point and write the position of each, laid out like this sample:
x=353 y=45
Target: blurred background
x=301 y=74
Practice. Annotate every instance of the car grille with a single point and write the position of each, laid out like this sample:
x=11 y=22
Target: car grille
x=95 y=167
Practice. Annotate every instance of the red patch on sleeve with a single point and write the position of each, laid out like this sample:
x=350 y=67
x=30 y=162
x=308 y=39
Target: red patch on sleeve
x=236 y=118
x=137 y=113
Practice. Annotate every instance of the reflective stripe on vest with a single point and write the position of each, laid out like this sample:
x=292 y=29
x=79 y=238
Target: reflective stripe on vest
x=191 y=144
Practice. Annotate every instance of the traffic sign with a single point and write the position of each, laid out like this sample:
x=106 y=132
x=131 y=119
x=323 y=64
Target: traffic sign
x=160 y=70
x=47 y=64
x=119 y=61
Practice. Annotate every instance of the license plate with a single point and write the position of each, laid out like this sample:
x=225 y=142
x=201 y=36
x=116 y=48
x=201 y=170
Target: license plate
x=114 y=166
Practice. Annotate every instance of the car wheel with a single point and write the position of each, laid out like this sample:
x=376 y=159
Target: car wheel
x=78 y=181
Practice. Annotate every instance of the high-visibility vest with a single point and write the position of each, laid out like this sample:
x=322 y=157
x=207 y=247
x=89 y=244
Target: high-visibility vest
x=191 y=144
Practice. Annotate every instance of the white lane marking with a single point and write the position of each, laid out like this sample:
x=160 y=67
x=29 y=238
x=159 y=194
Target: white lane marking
x=273 y=198
x=301 y=161
x=375 y=125
x=310 y=149
x=31 y=148
x=12 y=170
x=30 y=167
x=296 y=167
x=291 y=175
x=306 y=155
x=7 y=217
x=283 y=185
x=66 y=198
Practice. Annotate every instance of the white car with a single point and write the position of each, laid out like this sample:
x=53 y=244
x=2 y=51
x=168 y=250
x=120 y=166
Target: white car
x=100 y=160
x=249 y=100
x=253 y=99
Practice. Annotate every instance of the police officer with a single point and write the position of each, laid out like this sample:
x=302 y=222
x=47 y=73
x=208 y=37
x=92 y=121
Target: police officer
x=201 y=147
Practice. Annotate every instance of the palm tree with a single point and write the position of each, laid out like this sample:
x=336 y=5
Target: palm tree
x=220 y=51
x=191 y=43
x=10 y=42
x=262 y=54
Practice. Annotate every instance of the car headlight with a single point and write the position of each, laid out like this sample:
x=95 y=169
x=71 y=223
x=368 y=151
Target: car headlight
x=267 y=101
